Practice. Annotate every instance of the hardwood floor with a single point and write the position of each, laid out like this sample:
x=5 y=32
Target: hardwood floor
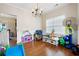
x=39 y=48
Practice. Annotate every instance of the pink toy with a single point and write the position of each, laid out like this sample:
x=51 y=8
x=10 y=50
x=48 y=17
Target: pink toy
x=26 y=37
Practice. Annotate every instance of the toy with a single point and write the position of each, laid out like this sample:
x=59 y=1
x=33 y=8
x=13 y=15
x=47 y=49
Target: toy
x=61 y=41
x=17 y=50
x=52 y=35
x=68 y=36
x=38 y=35
x=54 y=38
x=2 y=51
x=26 y=37
x=46 y=37
x=67 y=41
x=55 y=41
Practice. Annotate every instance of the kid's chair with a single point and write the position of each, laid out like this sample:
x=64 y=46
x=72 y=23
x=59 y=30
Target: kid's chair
x=17 y=50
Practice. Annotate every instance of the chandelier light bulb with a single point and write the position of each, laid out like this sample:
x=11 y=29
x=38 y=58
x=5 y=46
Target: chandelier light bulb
x=37 y=11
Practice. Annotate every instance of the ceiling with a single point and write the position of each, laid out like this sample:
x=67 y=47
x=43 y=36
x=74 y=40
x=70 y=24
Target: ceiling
x=46 y=7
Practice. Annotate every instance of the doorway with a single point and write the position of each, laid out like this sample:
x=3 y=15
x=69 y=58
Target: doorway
x=8 y=29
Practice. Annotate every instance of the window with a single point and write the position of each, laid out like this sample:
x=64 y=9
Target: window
x=55 y=24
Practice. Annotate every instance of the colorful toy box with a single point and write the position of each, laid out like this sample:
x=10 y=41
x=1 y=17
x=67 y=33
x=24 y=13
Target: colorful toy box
x=26 y=36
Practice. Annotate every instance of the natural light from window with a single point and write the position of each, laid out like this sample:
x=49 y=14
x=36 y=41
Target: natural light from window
x=55 y=24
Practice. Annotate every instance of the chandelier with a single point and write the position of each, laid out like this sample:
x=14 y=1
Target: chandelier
x=37 y=11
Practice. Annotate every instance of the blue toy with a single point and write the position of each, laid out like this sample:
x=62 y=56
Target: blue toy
x=39 y=32
x=17 y=50
x=38 y=35
x=68 y=41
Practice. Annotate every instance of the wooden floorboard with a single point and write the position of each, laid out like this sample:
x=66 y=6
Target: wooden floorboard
x=39 y=48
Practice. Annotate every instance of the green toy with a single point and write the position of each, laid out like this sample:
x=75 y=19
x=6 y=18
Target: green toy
x=1 y=53
x=61 y=41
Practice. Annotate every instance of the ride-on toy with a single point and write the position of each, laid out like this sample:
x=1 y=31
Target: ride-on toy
x=17 y=50
x=38 y=35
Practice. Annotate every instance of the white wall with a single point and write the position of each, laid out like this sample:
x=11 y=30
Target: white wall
x=25 y=21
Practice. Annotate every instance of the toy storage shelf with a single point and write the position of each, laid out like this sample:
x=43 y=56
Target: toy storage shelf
x=48 y=40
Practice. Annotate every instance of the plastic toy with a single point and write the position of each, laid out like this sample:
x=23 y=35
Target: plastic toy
x=26 y=37
x=61 y=41
x=68 y=41
x=46 y=37
x=69 y=32
x=38 y=35
x=2 y=50
x=17 y=50
x=54 y=38
x=55 y=41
